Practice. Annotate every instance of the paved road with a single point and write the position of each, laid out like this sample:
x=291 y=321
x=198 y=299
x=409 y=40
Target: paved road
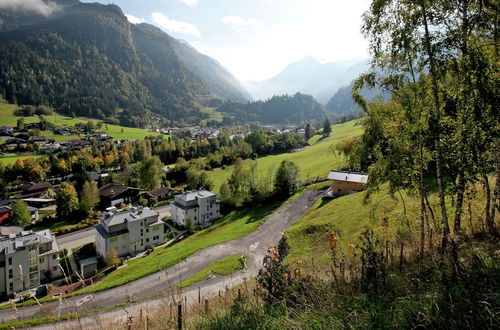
x=163 y=211
x=253 y=245
x=76 y=239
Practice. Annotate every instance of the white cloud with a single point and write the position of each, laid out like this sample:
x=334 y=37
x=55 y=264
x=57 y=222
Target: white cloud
x=240 y=21
x=190 y=3
x=37 y=6
x=241 y=24
x=171 y=25
x=134 y=19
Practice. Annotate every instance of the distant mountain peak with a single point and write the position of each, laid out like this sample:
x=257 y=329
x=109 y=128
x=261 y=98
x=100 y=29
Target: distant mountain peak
x=308 y=76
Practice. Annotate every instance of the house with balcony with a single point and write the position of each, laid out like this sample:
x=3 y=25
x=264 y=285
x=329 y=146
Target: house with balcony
x=129 y=231
x=202 y=206
x=26 y=260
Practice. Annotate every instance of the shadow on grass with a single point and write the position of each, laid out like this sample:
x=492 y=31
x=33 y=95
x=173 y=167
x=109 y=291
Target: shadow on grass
x=324 y=202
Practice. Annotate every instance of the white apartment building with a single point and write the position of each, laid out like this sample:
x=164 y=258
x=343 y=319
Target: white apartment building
x=26 y=259
x=202 y=206
x=129 y=232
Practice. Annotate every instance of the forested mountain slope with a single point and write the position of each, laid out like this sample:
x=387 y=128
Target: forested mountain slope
x=88 y=60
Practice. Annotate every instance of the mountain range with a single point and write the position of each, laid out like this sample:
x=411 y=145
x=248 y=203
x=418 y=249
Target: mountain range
x=86 y=59
x=309 y=76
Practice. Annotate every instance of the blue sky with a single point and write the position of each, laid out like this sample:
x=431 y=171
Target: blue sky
x=256 y=39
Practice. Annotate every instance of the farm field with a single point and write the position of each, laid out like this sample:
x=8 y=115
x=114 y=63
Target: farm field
x=314 y=161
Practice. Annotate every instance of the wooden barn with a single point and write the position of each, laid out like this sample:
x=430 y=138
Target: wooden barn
x=345 y=183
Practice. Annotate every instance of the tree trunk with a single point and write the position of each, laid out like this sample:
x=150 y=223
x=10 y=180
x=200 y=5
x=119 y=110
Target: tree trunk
x=495 y=205
x=487 y=190
x=437 y=119
x=457 y=230
x=423 y=211
x=431 y=211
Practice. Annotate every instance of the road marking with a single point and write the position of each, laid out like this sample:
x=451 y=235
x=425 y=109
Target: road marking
x=84 y=300
x=254 y=246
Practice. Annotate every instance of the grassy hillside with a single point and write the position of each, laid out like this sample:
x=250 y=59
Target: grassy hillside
x=350 y=216
x=8 y=118
x=314 y=161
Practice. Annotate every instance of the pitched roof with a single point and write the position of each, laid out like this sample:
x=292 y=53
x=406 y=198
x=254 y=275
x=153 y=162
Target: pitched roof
x=113 y=189
x=9 y=244
x=159 y=191
x=348 y=176
x=192 y=195
x=133 y=214
x=34 y=187
x=9 y=230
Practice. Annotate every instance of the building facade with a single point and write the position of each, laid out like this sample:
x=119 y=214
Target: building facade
x=202 y=206
x=27 y=259
x=345 y=183
x=129 y=232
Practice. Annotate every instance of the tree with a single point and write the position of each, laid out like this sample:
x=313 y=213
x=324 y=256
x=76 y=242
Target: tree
x=197 y=179
x=309 y=132
x=20 y=215
x=327 y=128
x=112 y=259
x=89 y=196
x=20 y=123
x=450 y=49
x=151 y=173
x=190 y=225
x=287 y=180
x=66 y=200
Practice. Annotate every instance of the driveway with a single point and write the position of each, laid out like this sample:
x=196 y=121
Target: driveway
x=76 y=239
x=253 y=245
x=163 y=211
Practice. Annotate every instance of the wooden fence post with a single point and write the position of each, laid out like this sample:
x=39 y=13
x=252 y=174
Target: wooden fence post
x=179 y=316
x=199 y=295
x=206 y=306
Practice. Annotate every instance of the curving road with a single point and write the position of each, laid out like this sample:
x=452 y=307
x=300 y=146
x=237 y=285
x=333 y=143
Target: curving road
x=254 y=245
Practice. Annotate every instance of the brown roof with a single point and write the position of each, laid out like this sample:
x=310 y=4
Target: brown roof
x=34 y=187
x=113 y=189
x=160 y=191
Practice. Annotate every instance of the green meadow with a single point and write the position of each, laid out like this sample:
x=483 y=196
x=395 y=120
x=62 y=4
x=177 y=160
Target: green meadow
x=314 y=161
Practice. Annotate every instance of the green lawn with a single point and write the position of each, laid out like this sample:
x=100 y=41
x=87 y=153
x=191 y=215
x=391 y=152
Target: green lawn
x=8 y=118
x=6 y=160
x=234 y=225
x=225 y=266
x=314 y=161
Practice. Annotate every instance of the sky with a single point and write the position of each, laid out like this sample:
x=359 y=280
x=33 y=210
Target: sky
x=256 y=39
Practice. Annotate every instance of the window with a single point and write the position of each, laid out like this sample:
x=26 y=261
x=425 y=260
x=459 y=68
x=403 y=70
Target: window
x=156 y=238
x=11 y=286
x=147 y=230
x=147 y=240
x=2 y=264
x=10 y=261
x=54 y=257
x=195 y=218
x=11 y=274
x=41 y=259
